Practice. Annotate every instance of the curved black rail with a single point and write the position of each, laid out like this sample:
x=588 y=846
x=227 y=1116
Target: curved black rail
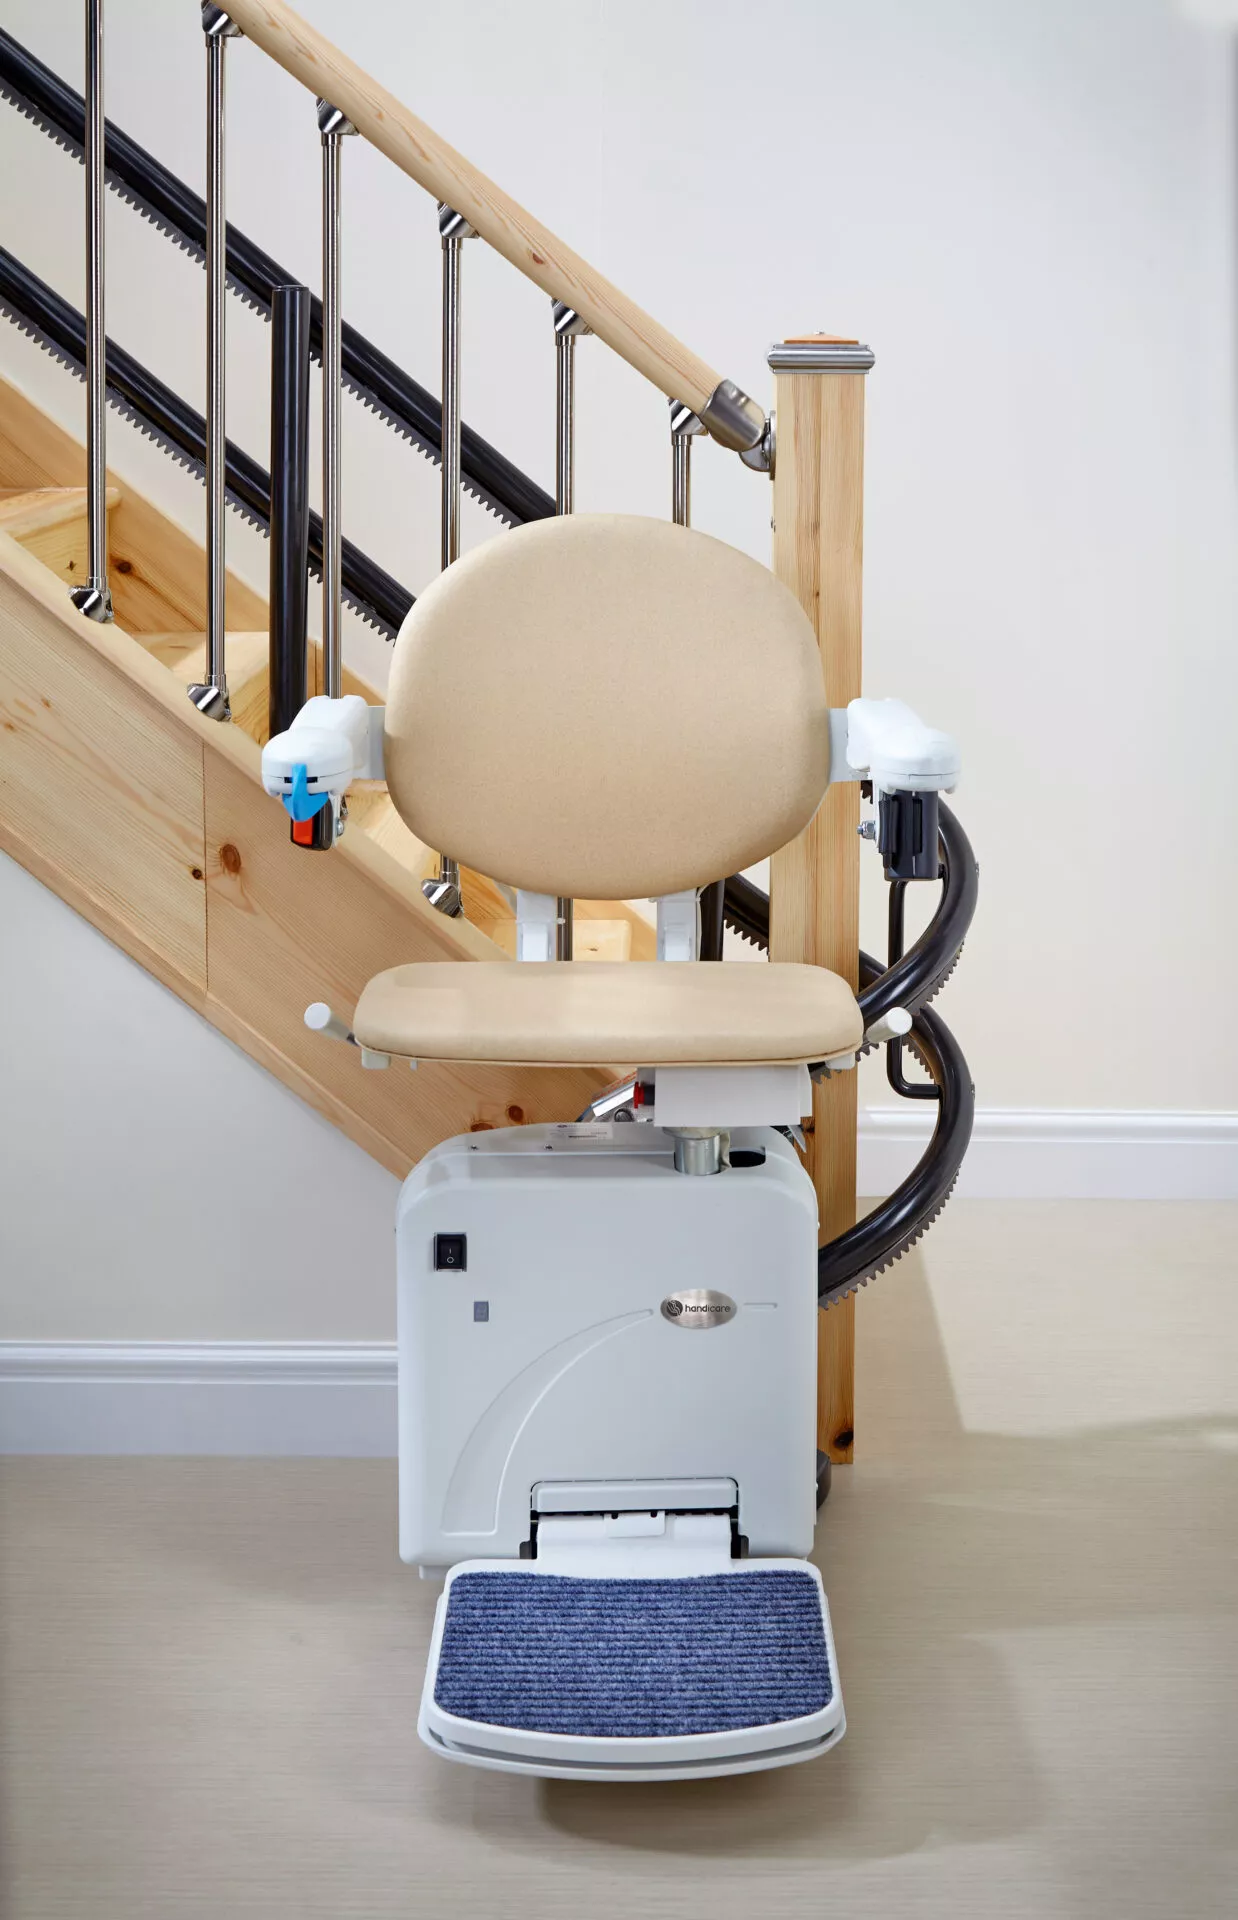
x=181 y=430
x=177 y=211
x=913 y=980
x=846 y=1262
x=874 y=1242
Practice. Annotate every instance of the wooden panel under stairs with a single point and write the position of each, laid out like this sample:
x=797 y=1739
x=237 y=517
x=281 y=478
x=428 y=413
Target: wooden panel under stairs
x=100 y=789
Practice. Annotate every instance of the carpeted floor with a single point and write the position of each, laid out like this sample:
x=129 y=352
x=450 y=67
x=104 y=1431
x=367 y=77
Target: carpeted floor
x=210 y=1668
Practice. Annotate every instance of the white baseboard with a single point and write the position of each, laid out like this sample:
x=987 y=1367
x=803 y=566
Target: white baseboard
x=205 y=1397
x=1037 y=1154
x=339 y=1401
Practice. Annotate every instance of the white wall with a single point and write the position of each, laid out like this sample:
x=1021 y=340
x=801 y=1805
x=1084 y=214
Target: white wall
x=1027 y=211
x=156 y=1184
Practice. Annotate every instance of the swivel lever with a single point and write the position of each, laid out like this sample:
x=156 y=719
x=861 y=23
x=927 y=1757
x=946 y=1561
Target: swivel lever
x=320 y=1019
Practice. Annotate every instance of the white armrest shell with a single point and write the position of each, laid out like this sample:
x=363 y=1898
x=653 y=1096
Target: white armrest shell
x=336 y=741
x=889 y=744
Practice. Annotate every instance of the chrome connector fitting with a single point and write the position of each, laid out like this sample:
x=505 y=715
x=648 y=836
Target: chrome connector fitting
x=732 y=419
x=453 y=225
x=568 y=323
x=443 y=895
x=761 y=457
x=94 y=600
x=331 y=122
x=683 y=420
x=211 y=701
x=217 y=25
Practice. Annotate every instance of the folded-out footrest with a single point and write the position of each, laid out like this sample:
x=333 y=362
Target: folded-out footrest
x=632 y=1677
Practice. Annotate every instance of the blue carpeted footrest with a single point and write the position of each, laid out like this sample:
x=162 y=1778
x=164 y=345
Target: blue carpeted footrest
x=642 y=1659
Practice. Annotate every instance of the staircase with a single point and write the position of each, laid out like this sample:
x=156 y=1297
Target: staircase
x=151 y=821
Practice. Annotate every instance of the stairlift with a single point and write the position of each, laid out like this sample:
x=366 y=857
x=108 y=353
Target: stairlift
x=607 y=1328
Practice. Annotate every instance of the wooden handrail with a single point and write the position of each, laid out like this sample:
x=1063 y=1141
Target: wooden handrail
x=418 y=151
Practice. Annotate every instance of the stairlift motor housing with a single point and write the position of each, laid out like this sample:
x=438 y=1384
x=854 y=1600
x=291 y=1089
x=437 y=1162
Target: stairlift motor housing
x=535 y=1351
x=579 y=1400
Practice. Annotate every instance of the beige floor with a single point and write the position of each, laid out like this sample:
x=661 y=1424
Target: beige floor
x=210 y=1669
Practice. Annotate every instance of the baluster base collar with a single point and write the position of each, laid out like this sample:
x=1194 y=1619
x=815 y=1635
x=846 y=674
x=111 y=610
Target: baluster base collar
x=94 y=600
x=211 y=701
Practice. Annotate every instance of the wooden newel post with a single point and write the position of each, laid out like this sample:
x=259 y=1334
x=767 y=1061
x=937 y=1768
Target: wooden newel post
x=815 y=882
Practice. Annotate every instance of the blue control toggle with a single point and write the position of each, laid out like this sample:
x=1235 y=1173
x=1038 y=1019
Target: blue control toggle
x=301 y=803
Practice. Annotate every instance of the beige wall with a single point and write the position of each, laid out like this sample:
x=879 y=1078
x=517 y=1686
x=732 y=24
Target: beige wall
x=1027 y=211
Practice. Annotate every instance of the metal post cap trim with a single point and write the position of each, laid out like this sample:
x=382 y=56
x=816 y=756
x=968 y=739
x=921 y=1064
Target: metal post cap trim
x=820 y=356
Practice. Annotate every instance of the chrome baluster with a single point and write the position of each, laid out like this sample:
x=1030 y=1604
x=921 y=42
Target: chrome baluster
x=568 y=327
x=93 y=598
x=443 y=891
x=211 y=695
x=334 y=128
x=685 y=426
x=454 y=230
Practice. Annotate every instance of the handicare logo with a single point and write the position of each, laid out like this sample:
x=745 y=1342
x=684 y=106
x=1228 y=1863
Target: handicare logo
x=698 y=1309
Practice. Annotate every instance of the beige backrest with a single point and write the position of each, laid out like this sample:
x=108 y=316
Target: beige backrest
x=606 y=707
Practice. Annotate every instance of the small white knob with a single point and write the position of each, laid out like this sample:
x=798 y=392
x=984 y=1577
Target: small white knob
x=320 y=1019
x=891 y=1026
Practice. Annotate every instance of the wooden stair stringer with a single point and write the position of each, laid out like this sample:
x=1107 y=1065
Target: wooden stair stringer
x=152 y=823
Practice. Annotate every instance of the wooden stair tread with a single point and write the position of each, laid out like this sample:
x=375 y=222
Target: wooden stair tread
x=31 y=510
x=50 y=523
x=169 y=649
x=156 y=571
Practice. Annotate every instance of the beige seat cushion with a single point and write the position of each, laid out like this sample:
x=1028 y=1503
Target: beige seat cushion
x=648 y=1013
